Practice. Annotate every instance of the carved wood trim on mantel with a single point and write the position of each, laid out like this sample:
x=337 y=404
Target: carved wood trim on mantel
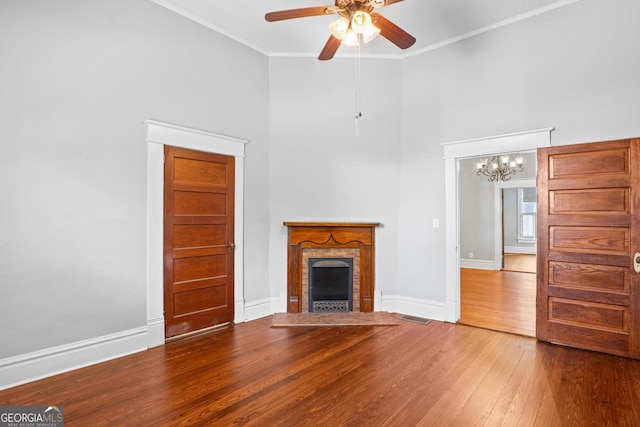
x=305 y=235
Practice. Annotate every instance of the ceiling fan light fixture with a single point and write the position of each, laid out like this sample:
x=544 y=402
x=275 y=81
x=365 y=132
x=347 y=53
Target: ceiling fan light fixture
x=360 y=21
x=339 y=28
x=370 y=33
x=351 y=38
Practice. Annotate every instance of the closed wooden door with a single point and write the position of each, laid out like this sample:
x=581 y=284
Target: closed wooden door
x=198 y=240
x=588 y=235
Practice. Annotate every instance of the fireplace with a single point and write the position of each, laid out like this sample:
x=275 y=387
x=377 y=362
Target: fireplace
x=329 y=253
x=330 y=285
x=341 y=241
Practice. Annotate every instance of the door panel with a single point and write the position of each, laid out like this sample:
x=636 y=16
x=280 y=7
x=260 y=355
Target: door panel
x=198 y=231
x=590 y=240
x=192 y=171
x=587 y=234
x=196 y=203
x=588 y=276
x=588 y=164
x=608 y=200
x=195 y=235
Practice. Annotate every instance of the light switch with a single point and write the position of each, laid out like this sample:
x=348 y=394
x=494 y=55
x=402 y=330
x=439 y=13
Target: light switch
x=436 y=222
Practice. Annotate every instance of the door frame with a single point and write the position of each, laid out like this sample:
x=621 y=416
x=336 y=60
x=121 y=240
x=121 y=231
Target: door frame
x=453 y=152
x=158 y=135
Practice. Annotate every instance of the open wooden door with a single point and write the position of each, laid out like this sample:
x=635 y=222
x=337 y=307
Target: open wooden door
x=198 y=240
x=588 y=235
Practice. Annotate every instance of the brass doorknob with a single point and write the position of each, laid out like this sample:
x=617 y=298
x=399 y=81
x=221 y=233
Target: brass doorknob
x=231 y=246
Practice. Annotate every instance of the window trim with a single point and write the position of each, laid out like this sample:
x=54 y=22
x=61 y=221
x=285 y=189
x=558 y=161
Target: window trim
x=521 y=238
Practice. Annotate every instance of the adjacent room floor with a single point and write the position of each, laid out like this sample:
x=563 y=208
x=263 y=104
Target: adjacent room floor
x=499 y=300
x=525 y=263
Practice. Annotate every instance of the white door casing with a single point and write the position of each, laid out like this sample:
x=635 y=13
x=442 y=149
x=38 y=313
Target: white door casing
x=160 y=134
x=453 y=152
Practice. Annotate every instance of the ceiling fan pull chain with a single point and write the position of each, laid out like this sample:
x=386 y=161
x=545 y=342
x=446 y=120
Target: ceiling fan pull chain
x=358 y=112
x=357 y=78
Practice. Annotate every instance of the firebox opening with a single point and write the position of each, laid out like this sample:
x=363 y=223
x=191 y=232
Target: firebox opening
x=330 y=285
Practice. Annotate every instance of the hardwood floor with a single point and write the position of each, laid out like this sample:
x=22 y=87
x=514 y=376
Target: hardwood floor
x=406 y=375
x=525 y=263
x=499 y=300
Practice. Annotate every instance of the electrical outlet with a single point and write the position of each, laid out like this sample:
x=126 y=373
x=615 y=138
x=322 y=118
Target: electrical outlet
x=470 y=254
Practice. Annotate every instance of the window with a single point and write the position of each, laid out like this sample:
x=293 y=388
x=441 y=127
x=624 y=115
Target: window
x=526 y=214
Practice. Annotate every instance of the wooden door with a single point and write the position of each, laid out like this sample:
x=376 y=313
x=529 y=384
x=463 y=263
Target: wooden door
x=588 y=233
x=198 y=240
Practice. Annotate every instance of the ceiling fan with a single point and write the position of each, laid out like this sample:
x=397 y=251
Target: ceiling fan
x=355 y=22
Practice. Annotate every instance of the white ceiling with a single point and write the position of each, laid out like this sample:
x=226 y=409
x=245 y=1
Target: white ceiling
x=432 y=22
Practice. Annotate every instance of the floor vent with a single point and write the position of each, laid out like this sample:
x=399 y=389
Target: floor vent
x=416 y=319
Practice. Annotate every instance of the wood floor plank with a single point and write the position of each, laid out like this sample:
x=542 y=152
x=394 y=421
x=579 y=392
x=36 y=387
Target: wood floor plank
x=519 y=393
x=485 y=399
x=406 y=375
x=425 y=395
x=449 y=360
x=460 y=391
x=400 y=385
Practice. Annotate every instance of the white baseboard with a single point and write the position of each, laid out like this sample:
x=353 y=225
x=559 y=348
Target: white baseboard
x=531 y=250
x=260 y=308
x=238 y=311
x=480 y=264
x=377 y=301
x=393 y=303
x=155 y=332
x=415 y=307
x=56 y=360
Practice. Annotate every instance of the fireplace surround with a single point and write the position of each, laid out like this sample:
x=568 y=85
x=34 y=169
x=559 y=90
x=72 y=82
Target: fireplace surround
x=330 y=240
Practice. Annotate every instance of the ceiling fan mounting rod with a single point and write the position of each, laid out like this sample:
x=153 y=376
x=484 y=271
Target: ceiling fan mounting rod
x=352 y=6
x=348 y=13
x=365 y=3
x=357 y=7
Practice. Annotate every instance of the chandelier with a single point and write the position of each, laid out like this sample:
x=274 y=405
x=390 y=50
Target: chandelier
x=499 y=168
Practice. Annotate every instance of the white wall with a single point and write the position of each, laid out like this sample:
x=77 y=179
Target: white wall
x=477 y=214
x=78 y=79
x=574 y=68
x=510 y=216
x=320 y=170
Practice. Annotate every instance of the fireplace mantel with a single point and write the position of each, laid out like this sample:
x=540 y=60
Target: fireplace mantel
x=330 y=235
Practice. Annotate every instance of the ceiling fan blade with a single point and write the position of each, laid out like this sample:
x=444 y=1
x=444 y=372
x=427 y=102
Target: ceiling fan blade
x=392 y=32
x=388 y=2
x=329 y=49
x=298 y=13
